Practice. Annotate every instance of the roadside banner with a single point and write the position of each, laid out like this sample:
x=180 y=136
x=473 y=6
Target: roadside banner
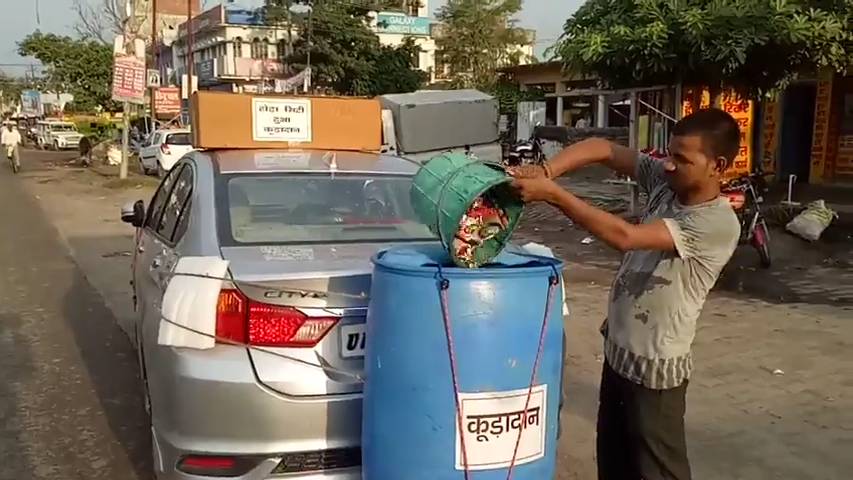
x=167 y=101
x=31 y=103
x=129 y=79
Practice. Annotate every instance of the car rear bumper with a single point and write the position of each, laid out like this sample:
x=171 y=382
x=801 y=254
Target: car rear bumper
x=209 y=402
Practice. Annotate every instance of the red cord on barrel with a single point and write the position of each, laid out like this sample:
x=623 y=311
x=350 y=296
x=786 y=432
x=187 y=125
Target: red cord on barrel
x=444 y=286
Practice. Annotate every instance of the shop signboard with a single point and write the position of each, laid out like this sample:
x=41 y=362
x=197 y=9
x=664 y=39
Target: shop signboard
x=820 y=134
x=211 y=18
x=167 y=101
x=394 y=23
x=769 y=135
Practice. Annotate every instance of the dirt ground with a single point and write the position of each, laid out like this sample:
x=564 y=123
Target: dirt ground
x=772 y=394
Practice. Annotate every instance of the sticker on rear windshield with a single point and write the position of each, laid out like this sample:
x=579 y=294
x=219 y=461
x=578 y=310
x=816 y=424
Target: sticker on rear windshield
x=287 y=253
x=286 y=160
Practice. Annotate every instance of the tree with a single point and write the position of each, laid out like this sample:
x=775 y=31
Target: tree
x=753 y=47
x=478 y=37
x=80 y=67
x=346 y=55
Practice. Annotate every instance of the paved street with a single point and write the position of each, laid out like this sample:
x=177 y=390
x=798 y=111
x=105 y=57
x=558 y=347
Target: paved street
x=771 y=398
x=69 y=403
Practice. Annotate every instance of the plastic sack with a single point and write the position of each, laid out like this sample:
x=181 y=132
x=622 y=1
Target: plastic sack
x=543 y=251
x=811 y=223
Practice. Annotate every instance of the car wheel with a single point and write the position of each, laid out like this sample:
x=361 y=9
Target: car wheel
x=142 y=168
x=161 y=172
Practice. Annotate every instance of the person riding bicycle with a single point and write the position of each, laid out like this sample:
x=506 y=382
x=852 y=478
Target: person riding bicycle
x=11 y=139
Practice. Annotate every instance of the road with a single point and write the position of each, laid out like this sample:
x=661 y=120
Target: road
x=69 y=401
x=772 y=396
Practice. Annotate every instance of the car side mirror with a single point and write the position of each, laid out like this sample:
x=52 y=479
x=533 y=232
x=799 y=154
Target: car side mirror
x=134 y=213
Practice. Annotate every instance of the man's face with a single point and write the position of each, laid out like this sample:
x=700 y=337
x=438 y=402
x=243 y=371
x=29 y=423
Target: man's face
x=688 y=167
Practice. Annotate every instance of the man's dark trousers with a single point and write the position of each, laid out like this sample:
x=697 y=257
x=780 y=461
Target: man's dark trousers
x=640 y=431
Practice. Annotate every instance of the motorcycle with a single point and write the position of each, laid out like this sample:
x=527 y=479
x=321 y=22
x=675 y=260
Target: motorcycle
x=745 y=195
x=525 y=152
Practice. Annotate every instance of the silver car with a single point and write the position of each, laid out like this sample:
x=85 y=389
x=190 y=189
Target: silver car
x=295 y=221
x=301 y=220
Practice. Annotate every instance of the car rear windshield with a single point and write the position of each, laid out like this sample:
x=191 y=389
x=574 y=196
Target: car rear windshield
x=178 y=139
x=273 y=208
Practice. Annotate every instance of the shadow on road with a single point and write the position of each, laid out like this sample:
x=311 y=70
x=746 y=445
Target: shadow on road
x=113 y=368
x=15 y=353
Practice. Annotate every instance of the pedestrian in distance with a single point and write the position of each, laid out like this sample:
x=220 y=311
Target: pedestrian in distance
x=11 y=140
x=672 y=258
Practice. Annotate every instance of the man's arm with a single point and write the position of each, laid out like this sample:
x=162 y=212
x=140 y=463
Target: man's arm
x=612 y=230
x=594 y=150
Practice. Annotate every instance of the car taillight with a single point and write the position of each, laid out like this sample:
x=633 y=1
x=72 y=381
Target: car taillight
x=242 y=320
x=165 y=149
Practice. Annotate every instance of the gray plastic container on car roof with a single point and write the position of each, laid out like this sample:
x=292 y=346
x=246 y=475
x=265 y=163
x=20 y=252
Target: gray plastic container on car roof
x=442 y=119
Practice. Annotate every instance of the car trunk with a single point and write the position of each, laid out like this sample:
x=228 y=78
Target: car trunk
x=320 y=282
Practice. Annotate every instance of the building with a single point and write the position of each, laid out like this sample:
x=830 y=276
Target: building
x=233 y=50
x=807 y=131
x=394 y=27
x=170 y=14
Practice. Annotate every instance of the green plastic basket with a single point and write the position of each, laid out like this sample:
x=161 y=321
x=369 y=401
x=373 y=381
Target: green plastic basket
x=447 y=185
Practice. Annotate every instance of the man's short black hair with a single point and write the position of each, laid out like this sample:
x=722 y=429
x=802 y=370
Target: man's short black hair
x=719 y=132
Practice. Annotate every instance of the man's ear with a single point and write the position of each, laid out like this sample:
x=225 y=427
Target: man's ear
x=720 y=164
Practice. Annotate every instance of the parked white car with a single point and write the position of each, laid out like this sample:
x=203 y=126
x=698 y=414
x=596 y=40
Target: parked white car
x=163 y=149
x=57 y=135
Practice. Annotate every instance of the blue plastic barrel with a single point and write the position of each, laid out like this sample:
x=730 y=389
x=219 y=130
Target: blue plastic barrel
x=409 y=423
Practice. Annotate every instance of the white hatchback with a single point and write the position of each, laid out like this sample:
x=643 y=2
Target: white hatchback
x=163 y=149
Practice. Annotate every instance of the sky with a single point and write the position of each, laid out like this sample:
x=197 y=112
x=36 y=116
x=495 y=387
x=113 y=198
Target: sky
x=21 y=17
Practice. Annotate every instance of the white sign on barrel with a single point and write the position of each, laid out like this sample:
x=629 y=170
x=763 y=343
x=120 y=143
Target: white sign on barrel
x=281 y=120
x=491 y=423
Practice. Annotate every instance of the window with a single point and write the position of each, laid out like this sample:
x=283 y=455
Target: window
x=238 y=47
x=273 y=208
x=155 y=210
x=413 y=7
x=175 y=205
x=257 y=47
x=178 y=139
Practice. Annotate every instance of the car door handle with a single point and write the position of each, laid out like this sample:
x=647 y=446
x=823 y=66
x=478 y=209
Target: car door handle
x=156 y=263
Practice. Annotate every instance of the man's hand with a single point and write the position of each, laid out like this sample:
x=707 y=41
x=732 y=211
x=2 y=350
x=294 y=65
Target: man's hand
x=528 y=171
x=539 y=189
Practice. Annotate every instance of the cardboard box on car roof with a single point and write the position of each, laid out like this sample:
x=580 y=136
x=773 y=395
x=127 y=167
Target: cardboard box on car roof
x=223 y=120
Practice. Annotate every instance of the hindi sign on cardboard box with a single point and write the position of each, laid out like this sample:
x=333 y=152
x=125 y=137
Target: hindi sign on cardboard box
x=281 y=120
x=223 y=120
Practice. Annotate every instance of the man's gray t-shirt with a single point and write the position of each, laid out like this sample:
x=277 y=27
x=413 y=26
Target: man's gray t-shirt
x=657 y=296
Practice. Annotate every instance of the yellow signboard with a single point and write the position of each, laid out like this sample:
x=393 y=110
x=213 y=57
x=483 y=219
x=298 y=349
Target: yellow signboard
x=742 y=111
x=820 y=135
x=770 y=136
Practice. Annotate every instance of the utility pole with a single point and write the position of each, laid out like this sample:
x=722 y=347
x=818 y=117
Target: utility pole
x=155 y=49
x=125 y=117
x=189 y=56
x=307 y=82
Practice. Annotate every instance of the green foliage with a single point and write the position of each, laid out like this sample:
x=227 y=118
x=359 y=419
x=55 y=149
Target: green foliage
x=346 y=55
x=10 y=88
x=478 y=37
x=752 y=46
x=508 y=93
x=82 y=68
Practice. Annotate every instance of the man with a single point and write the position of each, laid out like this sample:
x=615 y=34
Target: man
x=10 y=139
x=671 y=260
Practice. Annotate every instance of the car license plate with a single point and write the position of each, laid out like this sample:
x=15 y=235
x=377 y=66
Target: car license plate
x=352 y=340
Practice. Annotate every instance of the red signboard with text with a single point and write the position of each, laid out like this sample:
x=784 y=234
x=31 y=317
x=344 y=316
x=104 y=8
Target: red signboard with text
x=167 y=101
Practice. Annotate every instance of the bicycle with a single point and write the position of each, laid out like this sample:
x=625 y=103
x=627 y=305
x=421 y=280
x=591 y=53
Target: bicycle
x=12 y=154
